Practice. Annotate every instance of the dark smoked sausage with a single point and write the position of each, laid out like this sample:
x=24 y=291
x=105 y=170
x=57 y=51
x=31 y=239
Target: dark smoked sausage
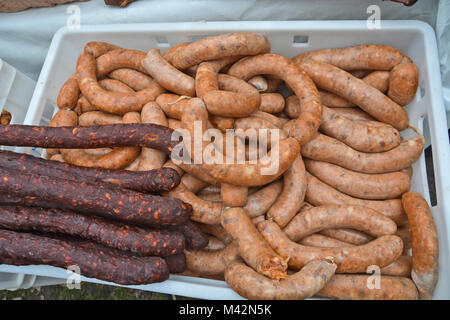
x=176 y=263
x=111 y=135
x=195 y=239
x=117 y=235
x=100 y=199
x=153 y=181
x=93 y=260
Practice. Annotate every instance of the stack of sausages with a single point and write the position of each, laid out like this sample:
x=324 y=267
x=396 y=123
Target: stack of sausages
x=336 y=206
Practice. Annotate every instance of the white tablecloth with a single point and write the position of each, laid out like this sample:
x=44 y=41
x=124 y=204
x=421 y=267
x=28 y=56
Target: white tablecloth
x=25 y=36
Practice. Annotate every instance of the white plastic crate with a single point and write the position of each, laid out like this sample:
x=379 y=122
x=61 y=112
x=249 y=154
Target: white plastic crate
x=16 y=90
x=289 y=38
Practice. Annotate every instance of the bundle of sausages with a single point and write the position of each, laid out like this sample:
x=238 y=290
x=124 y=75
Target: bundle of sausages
x=337 y=205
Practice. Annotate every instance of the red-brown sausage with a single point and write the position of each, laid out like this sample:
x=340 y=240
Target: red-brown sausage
x=360 y=185
x=68 y=94
x=425 y=247
x=319 y=193
x=217 y=47
x=354 y=287
x=307 y=124
x=355 y=259
x=112 y=102
x=252 y=247
x=327 y=149
x=343 y=216
x=168 y=76
x=292 y=196
x=301 y=285
x=371 y=100
x=364 y=136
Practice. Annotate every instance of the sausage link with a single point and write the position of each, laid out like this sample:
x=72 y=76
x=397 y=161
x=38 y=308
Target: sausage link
x=403 y=82
x=151 y=158
x=57 y=157
x=95 y=118
x=214 y=197
x=319 y=193
x=140 y=241
x=377 y=79
x=276 y=121
x=206 y=77
x=343 y=216
x=215 y=230
x=353 y=113
x=93 y=261
x=115 y=86
x=203 y=211
x=259 y=82
x=169 y=53
x=425 y=247
x=233 y=196
x=371 y=100
x=364 y=136
x=405 y=233
x=236 y=98
x=292 y=196
x=132 y=78
x=321 y=241
x=172 y=104
x=259 y=202
x=353 y=259
x=272 y=83
x=354 y=287
x=115 y=135
x=98 y=48
x=84 y=105
x=197 y=172
x=301 y=285
x=248 y=174
x=68 y=94
x=192 y=183
x=217 y=47
x=222 y=123
x=252 y=247
x=119 y=58
x=307 y=124
x=399 y=268
x=272 y=103
x=211 y=262
x=112 y=102
x=99 y=199
x=347 y=235
x=365 y=186
x=327 y=149
x=168 y=76
x=214 y=244
x=360 y=57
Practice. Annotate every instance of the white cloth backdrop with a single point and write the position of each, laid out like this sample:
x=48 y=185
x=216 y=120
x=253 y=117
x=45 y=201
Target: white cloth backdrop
x=25 y=36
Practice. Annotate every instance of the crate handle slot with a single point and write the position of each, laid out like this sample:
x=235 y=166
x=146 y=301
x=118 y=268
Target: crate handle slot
x=300 y=41
x=162 y=42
